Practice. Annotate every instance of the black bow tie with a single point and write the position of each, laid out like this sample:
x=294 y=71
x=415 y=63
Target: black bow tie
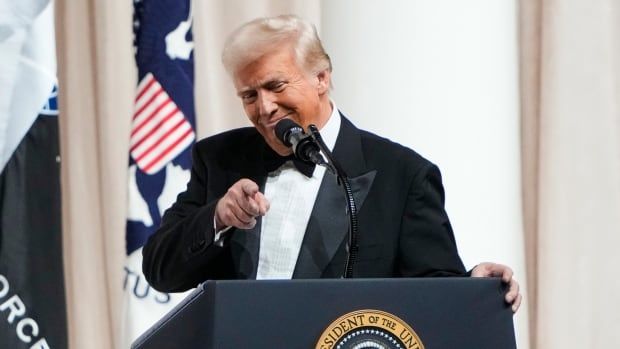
x=274 y=161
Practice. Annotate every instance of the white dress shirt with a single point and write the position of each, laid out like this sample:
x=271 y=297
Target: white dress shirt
x=291 y=196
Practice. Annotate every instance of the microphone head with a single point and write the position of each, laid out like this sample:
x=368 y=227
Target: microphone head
x=284 y=128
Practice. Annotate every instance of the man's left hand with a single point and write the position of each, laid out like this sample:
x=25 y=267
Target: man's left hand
x=488 y=269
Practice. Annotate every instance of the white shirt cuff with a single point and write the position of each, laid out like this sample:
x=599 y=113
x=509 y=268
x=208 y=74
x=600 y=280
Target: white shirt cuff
x=218 y=238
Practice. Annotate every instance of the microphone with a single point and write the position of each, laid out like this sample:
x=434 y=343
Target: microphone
x=304 y=147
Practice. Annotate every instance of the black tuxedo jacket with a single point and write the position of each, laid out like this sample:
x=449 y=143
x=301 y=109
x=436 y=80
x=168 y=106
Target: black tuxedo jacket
x=404 y=230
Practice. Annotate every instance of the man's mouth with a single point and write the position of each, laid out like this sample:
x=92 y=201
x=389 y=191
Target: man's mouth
x=272 y=124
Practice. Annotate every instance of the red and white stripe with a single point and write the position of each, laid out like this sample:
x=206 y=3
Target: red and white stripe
x=159 y=130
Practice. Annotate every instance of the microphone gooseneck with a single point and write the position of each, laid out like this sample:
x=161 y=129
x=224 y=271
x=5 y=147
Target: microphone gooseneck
x=352 y=248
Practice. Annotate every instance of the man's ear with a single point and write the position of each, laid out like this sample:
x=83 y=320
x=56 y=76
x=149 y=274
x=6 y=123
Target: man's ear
x=324 y=81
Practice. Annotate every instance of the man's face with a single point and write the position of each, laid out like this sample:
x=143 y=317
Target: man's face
x=275 y=87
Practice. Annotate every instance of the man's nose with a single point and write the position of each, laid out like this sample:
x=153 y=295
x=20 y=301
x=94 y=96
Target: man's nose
x=266 y=104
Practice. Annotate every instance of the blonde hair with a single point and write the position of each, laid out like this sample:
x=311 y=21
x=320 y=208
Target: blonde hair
x=262 y=35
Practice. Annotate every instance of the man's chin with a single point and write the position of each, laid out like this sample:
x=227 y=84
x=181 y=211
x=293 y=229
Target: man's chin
x=281 y=149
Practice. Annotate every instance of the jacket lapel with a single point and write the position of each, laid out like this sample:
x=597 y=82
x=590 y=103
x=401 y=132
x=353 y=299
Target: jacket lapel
x=328 y=225
x=329 y=222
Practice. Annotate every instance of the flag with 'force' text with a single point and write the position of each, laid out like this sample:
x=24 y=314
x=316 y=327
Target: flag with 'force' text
x=32 y=292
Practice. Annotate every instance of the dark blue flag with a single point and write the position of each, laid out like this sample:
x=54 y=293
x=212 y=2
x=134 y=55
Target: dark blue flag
x=162 y=133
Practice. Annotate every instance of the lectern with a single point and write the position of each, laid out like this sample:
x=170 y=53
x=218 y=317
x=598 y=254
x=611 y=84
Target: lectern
x=433 y=313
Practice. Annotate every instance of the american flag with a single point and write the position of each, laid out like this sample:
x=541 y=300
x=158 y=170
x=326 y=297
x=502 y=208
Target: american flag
x=162 y=133
x=159 y=130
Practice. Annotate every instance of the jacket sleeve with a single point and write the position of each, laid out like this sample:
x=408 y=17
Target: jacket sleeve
x=181 y=253
x=427 y=246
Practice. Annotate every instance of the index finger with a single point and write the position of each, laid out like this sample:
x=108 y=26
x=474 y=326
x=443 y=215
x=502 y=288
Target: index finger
x=263 y=203
x=248 y=187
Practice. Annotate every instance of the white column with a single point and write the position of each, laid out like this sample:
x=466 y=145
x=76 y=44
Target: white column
x=441 y=77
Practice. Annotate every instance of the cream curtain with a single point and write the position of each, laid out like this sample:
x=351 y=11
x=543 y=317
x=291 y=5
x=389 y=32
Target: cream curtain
x=97 y=79
x=570 y=74
x=571 y=166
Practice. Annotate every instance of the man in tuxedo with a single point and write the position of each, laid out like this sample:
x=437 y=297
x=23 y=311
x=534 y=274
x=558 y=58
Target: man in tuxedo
x=251 y=211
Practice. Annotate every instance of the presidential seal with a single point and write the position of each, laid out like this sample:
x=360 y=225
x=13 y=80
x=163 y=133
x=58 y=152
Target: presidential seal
x=369 y=329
